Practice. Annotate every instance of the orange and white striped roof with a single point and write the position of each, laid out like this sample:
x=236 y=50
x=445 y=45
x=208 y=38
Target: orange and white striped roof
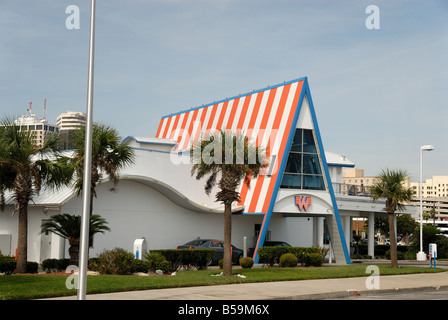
x=267 y=114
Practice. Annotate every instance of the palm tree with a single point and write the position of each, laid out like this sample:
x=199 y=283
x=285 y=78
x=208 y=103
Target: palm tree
x=108 y=157
x=389 y=186
x=69 y=227
x=25 y=168
x=432 y=214
x=232 y=157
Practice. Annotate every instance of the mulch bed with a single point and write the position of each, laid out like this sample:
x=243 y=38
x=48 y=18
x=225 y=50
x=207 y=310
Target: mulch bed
x=63 y=273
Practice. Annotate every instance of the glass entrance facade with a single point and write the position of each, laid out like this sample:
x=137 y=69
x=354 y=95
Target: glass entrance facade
x=303 y=169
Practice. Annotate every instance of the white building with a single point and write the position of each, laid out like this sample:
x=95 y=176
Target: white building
x=68 y=123
x=158 y=199
x=39 y=128
x=437 y=186
x=71 y=120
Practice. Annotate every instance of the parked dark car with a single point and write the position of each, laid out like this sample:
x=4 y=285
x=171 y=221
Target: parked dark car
x=217 y=245
x=250 y=251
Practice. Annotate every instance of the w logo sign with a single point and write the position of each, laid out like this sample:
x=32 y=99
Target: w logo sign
x=303 y=202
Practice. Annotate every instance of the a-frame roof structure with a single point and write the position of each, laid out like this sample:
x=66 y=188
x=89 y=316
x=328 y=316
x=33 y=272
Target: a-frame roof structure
x=272 y=115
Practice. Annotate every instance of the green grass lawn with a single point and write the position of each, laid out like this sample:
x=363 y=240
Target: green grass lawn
x=42 y=286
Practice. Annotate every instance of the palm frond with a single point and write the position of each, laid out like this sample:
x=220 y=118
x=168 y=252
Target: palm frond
x=232 y=155
x=69 y=226
x=109 y=156
x=390 y=186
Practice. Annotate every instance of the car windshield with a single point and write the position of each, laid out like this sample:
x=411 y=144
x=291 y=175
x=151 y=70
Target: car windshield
x=276 y=244
x=215 y=244
x=196 y=242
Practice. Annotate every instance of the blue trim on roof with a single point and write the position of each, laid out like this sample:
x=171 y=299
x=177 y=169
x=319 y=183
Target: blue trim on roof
x=341 y=165
x=238 y=96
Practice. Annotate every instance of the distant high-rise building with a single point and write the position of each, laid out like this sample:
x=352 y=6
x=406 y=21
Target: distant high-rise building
x=71 y=120
x=68 y=122
x=437 y=186
x=39 y=128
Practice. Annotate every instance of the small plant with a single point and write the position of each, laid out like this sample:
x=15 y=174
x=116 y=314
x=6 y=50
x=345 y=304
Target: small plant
x=323 y=252
x=314 y=260
x=246 y=262
x=156 y=261
x=139 y=266
x=116 y=261
x=288 y=260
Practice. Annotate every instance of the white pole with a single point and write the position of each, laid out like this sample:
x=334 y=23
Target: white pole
x=421 y=256
x=421 y=200
x=244 y=247
x=84 y=243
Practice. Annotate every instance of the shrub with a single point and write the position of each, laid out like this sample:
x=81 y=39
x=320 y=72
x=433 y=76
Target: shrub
x=314 y=260
x=410 y=255
x=32 y=267
x=221 y=264
x=288 y=260
x=380 y=249
x=202 y=258
x=400 y=255
x=156 y=261
x=116 y=261
x=92 y=264
x=7 y=265
x=187 y=258
x=246 y=262
x=442 y=247
x=138 y=265
x=55 y=265
x=271 y=255
x=361 y=256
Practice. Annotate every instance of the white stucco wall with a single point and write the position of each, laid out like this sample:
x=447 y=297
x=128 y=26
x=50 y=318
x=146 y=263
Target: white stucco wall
x=135 y=210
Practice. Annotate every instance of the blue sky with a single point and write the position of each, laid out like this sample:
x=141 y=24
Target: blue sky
x=379 y=94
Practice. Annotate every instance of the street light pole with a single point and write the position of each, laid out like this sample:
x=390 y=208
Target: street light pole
x=85 y=220
x=421 y=255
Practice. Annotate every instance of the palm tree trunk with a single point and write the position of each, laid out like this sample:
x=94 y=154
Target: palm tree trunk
x=227 y=266
x=22 y=243
x=393 y=241
x=73 y=251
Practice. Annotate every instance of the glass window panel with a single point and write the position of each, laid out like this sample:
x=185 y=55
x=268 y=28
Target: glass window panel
x=315 y=182
x=311 y=164
x=291 y=181
x=297 y=141
x=294 y=163
x=308 y=142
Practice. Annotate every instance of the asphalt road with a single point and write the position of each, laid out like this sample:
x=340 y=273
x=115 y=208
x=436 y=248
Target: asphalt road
x=441 y=294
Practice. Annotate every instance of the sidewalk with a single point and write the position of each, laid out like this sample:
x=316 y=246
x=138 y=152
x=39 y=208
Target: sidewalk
x=287 y=290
